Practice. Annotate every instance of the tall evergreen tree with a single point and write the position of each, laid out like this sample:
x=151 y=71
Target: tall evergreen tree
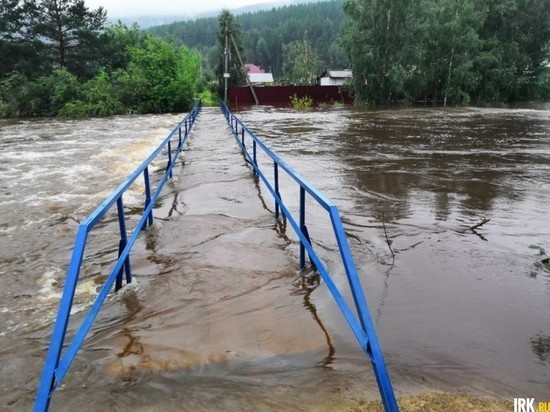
x=229 y=27
x=19 y=48
x=72 y=32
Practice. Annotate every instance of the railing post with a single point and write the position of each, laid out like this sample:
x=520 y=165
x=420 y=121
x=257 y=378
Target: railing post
x=121 y=245
x=242 y=138
x=48 y=381
x=169 y=165
x=302 y=225
x=276 y=181
x=254 y=157
x=147 y=196
x=179 y=137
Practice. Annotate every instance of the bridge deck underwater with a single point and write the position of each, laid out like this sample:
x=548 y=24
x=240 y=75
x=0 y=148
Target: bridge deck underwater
x=221 y=318
x=228 y=269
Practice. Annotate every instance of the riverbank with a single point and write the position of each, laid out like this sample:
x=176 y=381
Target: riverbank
x=440 y=402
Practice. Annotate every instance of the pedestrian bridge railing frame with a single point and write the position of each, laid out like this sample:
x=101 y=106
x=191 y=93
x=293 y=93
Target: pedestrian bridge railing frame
x=57 y=363
x=361 y=325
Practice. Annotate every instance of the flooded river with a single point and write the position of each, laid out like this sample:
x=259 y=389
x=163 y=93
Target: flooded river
x=457 y=307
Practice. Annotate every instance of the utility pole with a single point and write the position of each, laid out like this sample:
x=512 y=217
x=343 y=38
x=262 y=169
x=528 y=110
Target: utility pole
x=226 y=64
x=243 y=68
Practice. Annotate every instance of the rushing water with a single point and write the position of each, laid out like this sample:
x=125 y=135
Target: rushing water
x=455 y=307
x=53 y=174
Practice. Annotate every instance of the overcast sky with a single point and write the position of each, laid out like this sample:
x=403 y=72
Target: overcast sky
x=123 y=8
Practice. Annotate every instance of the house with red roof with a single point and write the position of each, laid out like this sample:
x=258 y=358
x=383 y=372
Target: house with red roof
x=258 y=76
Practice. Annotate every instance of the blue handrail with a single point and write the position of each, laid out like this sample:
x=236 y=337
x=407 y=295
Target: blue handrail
x=363 y=328
x=57 y=364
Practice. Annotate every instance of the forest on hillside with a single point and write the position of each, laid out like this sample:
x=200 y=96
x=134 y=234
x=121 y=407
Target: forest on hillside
x=456 y=51
x=264 y=33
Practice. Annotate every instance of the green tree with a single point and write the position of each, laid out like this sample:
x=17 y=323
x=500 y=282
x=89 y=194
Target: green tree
x=516 y=43
x=71 y=33
x=20 y=96
x=98 y=98
x=117 y=40
x=457 y=50
x=384 y=47
x=43 y=96
x=63 y=88
x=227 y=27
x=19 y=49
x=453 y=48
x=160 y=77
x=271 y=50
x=301 y=64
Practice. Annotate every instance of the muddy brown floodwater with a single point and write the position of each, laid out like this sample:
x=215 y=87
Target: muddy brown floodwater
x=216 y=319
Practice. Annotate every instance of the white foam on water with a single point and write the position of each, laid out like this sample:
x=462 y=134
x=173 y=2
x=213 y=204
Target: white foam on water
x=11 y=173
x=85 y=294
x=52 y=170
x=129 y=291
x=133 y=197
x=82 y=172
x=47 y=282
x=46 y=302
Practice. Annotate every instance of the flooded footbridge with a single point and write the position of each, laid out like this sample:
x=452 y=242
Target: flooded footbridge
x=217 y=314
x=458 y=310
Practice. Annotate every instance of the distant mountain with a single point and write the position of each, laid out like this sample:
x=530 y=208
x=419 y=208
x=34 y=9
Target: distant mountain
x=150 y=21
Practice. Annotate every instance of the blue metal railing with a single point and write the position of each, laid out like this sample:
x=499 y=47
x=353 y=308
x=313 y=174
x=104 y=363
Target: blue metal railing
x=57 y=364
x=363 y=328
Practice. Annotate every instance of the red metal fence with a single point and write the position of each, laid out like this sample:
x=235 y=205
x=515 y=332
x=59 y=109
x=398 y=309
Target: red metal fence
x=281 y=95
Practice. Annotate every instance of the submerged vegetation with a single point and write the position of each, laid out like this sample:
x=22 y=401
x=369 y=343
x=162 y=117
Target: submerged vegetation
x=301 y=103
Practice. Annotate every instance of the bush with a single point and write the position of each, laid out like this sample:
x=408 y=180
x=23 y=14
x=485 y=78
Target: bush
x=208 y=98
x=64 y=87
x=21 y=96
x=301 y=103
x=542 y=89
x=99 y=99
x=76 y=110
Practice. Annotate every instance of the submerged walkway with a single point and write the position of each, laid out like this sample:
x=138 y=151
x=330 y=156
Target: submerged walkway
x=224 y=306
